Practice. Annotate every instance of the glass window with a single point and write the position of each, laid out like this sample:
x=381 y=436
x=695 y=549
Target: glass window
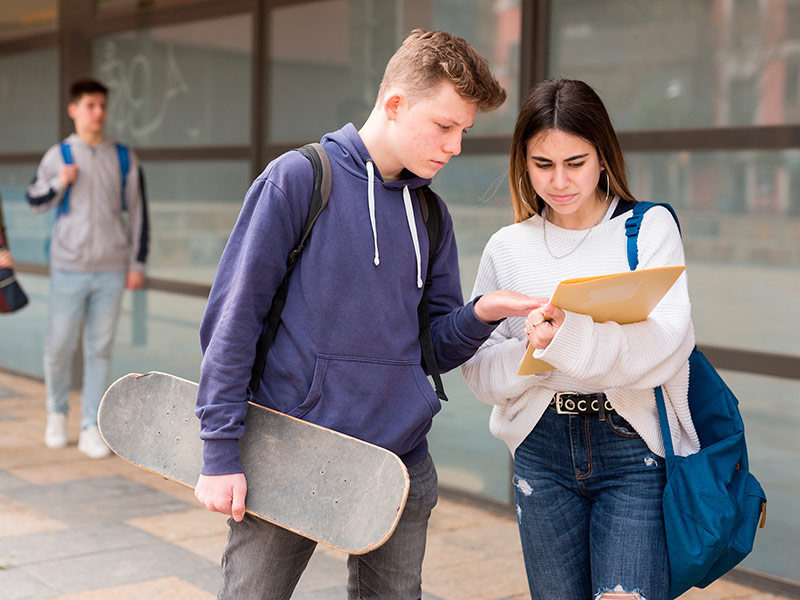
x=193 y=207
x=332 y=77
x=28 y=232
x=740 y=218
x=179 y=85
x=158 y=331
x=29 y=104
x=769 y=407
x=23 y=19
x=679 y=63
x=26 y=328
x=467 y=456
x=120 y=5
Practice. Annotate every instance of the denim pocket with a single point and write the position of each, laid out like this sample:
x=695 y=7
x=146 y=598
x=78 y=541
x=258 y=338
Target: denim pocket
x=620 y=426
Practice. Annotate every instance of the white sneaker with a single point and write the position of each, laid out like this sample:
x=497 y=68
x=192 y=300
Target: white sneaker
x=55 y=434
x=91 y=443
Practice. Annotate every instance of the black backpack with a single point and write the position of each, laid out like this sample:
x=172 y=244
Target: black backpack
x=431 y=214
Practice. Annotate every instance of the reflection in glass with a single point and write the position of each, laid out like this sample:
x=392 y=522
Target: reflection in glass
x=771 y=419
x=179 y=85
x=333 y=76
x=467 y=456
x=23 y=19
x=157 y=331
x=193 y=207
x=127 y=5
x=29 y=103
x=28 y=232
x=740 y=219
x=662 y=64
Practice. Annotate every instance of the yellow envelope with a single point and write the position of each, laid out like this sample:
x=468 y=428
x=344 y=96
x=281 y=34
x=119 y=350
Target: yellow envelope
x=622 y=297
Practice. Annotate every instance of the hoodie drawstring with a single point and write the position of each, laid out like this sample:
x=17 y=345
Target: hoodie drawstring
x=371 y=196
x=412 y=227
x=412 y=224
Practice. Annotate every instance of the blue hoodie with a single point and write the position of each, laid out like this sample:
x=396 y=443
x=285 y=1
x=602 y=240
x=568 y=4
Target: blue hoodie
x=346 y=354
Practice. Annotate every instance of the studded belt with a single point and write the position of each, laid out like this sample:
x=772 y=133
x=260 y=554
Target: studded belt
x=573 y=403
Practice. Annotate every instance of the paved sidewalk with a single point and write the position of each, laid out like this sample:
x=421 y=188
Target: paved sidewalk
x=73 y=528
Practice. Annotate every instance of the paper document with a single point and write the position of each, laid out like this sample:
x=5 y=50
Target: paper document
x=622 y=297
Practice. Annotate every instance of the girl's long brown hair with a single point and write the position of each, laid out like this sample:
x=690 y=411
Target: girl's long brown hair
x=573 y=107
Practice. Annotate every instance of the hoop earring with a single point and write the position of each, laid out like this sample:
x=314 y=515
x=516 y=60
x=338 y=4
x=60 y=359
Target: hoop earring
x=521 y=197
x=608 y=186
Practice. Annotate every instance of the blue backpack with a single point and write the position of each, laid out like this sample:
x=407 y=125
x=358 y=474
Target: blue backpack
x=124 y=166
x=712 y=503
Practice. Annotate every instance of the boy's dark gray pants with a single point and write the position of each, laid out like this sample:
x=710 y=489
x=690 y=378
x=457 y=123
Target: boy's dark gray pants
x=263 y=561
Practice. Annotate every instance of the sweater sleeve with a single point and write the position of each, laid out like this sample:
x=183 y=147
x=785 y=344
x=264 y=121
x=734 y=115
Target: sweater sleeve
x=45 y=189
x=247 y=278
x=638 y=355
x=492 y=372
x=456 y=329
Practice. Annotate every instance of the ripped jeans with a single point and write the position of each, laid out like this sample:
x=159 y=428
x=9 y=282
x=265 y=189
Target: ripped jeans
x=588 y=493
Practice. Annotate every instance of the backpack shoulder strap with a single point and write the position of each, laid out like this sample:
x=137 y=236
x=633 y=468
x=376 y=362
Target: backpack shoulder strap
x=318 y=158
x=124 y=167
x=632 y=226
x=634 y=223
x=432 y=215
x=66 y=154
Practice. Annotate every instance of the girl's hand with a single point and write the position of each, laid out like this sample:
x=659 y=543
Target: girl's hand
x=542 y=324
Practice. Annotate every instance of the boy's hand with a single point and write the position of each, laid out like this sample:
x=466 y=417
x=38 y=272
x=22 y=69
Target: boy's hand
x=505 y=303
x=6 y=261
x=67 y=175
x=223 y=494
x=134 y=280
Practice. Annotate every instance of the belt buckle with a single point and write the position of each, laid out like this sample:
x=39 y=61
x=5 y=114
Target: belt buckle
x=566 y=399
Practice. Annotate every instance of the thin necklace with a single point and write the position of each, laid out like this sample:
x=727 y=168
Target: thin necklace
x=588 y=231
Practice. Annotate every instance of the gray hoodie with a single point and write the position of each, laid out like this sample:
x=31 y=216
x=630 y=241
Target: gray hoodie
x=95 y=234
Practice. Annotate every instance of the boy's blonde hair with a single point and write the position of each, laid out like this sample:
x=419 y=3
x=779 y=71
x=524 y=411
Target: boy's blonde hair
x=429 y=58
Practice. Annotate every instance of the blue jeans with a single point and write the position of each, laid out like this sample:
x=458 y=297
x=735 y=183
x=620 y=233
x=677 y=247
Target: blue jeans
x=81 y=300
x=263 y=561
x=588 y=493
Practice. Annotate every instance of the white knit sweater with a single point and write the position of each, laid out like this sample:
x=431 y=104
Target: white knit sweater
x=624 y=361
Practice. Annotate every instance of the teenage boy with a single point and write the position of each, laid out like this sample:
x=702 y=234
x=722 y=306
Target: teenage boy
x=98 y=247
x=347 y=353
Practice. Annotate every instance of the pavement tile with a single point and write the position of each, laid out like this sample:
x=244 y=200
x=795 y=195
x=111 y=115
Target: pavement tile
x=7 y=417
x=101 y=569
x=188 y=524
x=208 y=547
x=16 y=519
x=478 y=580
x=19 y=585
x=164 y=588
x=65 y=543
x=9 y=481
x=325 y=571
x=8 y=392
x=112 y=497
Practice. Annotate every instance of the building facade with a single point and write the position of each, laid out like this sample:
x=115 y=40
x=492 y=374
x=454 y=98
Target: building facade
x=705 y=95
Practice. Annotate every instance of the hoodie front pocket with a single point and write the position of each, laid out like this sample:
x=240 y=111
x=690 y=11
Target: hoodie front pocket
x=386 y=402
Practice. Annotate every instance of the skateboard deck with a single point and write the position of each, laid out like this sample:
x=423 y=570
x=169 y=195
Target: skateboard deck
x=324 y=485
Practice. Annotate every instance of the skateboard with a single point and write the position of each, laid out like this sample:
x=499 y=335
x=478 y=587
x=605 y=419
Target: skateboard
x=321 y=484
